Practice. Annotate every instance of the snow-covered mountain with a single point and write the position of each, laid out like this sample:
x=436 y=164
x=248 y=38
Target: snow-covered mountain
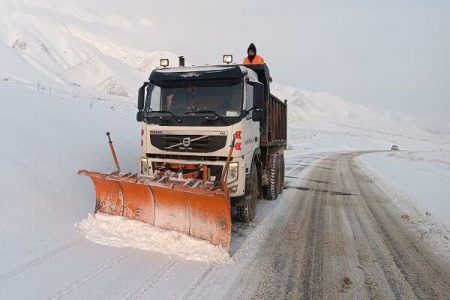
x=69 y=46
x=58 y=43
x=325 y=121
x=322 y=109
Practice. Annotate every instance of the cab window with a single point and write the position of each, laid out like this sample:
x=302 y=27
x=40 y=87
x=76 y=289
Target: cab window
x=249 y=99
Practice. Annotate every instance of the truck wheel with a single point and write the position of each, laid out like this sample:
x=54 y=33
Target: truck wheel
x=246 y=213
x=281 y=173
x=272 y=189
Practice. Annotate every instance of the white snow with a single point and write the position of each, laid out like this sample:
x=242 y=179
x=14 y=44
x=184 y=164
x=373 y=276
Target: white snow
x=63 y=44
x=423 y=176
x=321 y=122
x=52 y=135
x=67 y=76
x=120 y=232
x=419 y=184
x=46 y=139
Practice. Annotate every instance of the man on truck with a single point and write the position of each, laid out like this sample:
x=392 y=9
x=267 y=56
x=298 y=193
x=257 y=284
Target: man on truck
x=252 y=57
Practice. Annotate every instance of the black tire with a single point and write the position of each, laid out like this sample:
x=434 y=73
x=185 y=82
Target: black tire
x=281 y=173
x=246 y=213
x=273 y=174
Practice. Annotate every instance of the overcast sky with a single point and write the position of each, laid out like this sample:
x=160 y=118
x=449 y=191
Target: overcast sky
x=393 y=55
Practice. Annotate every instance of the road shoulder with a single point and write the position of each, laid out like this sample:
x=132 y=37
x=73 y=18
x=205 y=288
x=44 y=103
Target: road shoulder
x=382 y=168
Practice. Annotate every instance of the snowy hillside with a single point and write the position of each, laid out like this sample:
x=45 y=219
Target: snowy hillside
x=322 y=120
x=65 y=45
x=319 y=108
x=59 y=44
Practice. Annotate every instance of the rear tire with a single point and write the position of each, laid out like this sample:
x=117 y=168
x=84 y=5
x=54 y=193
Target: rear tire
x=246 y=213
x=273 y=174
x=281 y=173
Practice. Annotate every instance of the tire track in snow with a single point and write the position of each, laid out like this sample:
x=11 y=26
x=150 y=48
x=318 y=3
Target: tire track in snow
x=22 y=269
x=71 y=286
x=249 y=239
x=349 y=245
x=192 y=288
x=152 y=280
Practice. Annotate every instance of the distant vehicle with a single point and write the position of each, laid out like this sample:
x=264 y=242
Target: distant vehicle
x=395 y=148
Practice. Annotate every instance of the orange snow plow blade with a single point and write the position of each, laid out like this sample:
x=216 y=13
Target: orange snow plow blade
x=167 y=200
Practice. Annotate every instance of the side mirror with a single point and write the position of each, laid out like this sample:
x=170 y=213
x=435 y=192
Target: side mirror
x=140 y=116
x=258 y=95
x=258 y=115
x=258 y=102
x=141 y=96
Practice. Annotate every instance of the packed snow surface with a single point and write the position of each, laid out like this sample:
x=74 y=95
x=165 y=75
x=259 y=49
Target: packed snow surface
x=120 y=232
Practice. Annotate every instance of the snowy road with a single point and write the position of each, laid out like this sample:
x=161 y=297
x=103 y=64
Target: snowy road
x=332 y=234
x=342 y=239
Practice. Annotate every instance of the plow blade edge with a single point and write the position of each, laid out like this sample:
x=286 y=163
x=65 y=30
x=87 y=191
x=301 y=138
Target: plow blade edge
x=201 y=212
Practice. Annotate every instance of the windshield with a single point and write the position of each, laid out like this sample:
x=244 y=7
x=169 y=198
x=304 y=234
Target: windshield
x=192 y=98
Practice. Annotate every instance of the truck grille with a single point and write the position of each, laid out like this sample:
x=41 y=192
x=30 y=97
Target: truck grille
x=188 y=143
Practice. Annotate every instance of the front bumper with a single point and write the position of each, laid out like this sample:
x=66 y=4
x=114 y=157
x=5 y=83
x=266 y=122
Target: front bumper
x=235 y=188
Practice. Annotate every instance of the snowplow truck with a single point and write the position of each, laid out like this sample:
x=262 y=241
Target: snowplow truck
x=212 y=138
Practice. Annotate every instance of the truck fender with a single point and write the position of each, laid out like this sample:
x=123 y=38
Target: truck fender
x=242 y=200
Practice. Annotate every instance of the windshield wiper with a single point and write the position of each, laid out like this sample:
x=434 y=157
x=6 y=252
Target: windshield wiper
x=216 y=115
x=172 y=115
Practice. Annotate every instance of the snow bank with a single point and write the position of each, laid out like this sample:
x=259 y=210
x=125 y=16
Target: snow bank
x=46 y=138
x=423 y=177
x=418 y=183
x=117 y=231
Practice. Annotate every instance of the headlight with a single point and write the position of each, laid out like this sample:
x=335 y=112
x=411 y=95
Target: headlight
x=144 y=166
x=233 y=189
x=233 y=172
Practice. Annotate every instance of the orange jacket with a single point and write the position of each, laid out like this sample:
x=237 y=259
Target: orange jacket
x=257 y=60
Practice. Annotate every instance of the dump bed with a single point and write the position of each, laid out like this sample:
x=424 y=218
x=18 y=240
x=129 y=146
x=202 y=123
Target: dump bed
x=276 y=122
x=274 y=126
